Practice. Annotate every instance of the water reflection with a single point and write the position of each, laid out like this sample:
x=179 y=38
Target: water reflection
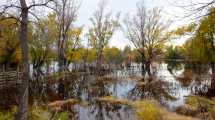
x=109 y=109
x=156 y=89
x=88 y=88
x=170 y=85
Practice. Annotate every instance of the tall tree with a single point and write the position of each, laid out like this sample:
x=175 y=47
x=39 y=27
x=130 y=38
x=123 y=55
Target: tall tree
x=41 y=45
x=113 y=56
x=25 y=9
x=101 y=31
x=66 y=11
x=202 y=45
x=73 y=43
x=148 y=33
x=10 y=47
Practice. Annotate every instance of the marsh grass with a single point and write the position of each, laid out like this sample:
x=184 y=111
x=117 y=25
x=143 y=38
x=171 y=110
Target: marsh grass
x=201 y=107
x=151 y=110
x=147 y=110
x=112 y=101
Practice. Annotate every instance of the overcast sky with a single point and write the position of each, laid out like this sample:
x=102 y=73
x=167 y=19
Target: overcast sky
x=129 y=6
x=169 y=11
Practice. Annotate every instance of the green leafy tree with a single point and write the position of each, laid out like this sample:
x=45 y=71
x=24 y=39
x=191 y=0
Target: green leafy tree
x=24 y=7
x=113 y=56
x=200 y=48
x=66 y=14
x=10 y=53
x=41 y=45
x=73 y=44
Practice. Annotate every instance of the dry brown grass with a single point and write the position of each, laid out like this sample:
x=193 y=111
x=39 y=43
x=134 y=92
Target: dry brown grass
x=151 y=110
x=59 y=105
x=113 y=101
x=200 y=107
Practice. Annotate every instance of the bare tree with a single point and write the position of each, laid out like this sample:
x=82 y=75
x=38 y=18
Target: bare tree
x=66 y=11
x=194 y=9
x=148 y=33
x=23 y=18
x=103 y=28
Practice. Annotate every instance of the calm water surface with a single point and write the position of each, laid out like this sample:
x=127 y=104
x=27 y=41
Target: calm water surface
x=170 y=90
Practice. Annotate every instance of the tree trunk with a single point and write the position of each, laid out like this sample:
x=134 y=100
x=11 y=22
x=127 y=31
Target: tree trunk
x=143 y=71
x=148 y=69
x=23 y=89
x=61 y=59
x=99 y=60
x=213 y=75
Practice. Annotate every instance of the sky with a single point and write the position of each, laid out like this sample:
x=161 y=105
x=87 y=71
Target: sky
x=169 y=11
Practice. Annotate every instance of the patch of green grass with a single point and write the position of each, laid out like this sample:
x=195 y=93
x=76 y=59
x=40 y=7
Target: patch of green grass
x=62 y=116
x=6 y=116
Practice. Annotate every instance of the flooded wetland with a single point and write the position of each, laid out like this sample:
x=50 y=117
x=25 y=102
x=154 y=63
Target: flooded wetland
x=107 y=60
x=122 y=94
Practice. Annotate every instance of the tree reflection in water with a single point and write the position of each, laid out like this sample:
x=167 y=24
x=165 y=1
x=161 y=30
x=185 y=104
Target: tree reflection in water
x=89 y=88
x=195 y=76
x=110 y=109
x=156 y=89
x=105 y=109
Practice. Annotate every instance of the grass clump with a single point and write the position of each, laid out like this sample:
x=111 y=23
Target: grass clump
x=112 y=100
x=61 y=105
x=39 y=113
x=196 y=101
x=147 y=110
x=34 y=113
x=62 y=116
x=6 y=116
x=201 y=107
x=151 y=110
